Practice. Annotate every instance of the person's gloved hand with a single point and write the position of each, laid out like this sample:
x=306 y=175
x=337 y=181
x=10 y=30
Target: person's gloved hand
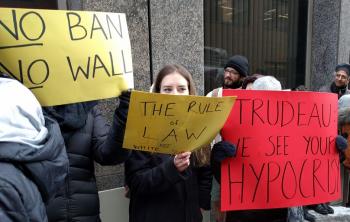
x=108 y=149
x=341 y=143
x=120 y=117
x=220 y=151
x=121 y=112
x=223 y=150
x=342 y=146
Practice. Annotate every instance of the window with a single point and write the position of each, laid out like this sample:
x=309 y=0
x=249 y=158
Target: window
x=270 y=33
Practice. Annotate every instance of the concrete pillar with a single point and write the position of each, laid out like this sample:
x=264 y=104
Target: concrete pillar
x=324 y=42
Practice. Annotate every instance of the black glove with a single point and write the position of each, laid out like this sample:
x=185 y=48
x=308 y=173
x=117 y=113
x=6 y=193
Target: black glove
x=223 y=150
x=121 y=113
x=341 y=143
x=220 y=151
x=111 y=151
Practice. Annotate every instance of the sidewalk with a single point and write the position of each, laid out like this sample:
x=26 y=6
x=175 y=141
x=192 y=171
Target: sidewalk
x=341 y=214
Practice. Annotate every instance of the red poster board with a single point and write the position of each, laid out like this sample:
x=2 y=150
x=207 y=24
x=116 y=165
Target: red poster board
x=286 y=154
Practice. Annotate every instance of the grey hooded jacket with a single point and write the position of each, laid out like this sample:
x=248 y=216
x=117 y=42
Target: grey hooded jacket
x=29 y=177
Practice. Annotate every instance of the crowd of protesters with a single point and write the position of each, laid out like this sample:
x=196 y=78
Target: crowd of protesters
x=47 y=156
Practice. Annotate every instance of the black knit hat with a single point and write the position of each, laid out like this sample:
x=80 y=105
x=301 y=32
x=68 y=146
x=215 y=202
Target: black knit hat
x=239 y=63
x=343 y=66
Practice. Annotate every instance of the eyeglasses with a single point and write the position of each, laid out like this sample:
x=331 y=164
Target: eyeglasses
x=231 y=71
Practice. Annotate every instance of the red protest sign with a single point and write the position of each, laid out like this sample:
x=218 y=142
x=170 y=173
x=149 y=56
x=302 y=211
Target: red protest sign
x=286 y=154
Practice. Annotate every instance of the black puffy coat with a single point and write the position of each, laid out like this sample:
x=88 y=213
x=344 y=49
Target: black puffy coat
x=158 y=192
x=31 y=176
x=88 y=138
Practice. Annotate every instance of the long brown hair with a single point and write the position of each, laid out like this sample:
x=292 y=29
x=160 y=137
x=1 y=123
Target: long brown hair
x=201 y=155
x=170 y=69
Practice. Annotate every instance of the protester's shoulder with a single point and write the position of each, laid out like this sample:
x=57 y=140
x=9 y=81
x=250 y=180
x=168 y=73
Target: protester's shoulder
x=9 y=192
x=215 y=92
x=50 y=122
x=54 y=138
x=9 y=176
x=347 y=92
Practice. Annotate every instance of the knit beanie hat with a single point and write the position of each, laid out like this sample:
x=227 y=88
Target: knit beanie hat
x=344 y=67
x=239 y=63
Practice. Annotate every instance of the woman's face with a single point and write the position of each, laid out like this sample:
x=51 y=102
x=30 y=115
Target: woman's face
x=175 y=84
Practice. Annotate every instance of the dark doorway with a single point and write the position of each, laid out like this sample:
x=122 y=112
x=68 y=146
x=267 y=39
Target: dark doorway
x=39 y=4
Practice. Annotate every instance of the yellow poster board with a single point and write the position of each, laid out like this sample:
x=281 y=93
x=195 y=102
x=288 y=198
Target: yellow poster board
x=66 y=56
x=171 y=123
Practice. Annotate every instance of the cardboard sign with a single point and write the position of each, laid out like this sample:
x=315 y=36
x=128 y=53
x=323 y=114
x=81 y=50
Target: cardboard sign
x=286 y=154
x=171 y=123
x=66 y=56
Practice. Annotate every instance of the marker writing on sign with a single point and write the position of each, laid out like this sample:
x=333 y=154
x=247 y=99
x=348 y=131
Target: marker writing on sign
x=90 y=69
x=173 y=135
x=289 y=179
x=21 y=30
x=102 y=26
x=283 y=113
x=37 y=77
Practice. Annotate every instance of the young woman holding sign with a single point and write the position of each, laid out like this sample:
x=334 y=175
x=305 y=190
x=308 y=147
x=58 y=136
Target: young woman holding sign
x=166 y=187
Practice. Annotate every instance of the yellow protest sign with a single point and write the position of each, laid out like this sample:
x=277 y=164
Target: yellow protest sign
x=172 y=124
x=66 y=56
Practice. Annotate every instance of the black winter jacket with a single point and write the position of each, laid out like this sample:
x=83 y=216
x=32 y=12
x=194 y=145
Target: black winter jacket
x=30 y=176
x=158 y=192
x=93 y=141
x=334 y=89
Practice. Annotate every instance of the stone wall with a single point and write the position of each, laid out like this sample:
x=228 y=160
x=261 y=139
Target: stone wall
x=344 y=33
x=324 y=43
x=178 y=36
x=161 y=32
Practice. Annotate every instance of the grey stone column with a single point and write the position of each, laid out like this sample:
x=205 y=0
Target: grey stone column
x=137 y=19
x=177 y=33
x=74 y=4
x=324 y=43
x=344 y=33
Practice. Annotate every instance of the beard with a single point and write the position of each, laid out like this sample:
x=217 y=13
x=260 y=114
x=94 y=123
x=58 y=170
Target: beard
x=229 y=84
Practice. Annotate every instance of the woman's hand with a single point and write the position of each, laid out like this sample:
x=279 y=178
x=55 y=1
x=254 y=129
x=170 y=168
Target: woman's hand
x=182 y=161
